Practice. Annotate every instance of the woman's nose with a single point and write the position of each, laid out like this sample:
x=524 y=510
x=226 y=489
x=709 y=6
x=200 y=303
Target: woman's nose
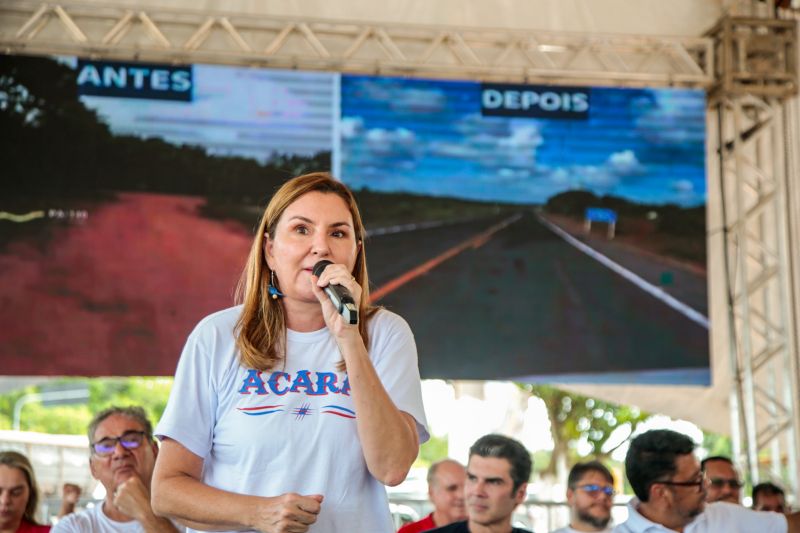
x=320 y=245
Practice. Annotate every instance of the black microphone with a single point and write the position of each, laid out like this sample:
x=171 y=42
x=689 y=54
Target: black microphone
x=342 y=299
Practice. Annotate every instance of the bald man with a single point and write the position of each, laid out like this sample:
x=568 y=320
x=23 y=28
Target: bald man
x=446 y=492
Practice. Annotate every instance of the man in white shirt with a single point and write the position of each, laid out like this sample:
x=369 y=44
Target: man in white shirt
x=670 y=489
x=590 y=494
x=123 y=454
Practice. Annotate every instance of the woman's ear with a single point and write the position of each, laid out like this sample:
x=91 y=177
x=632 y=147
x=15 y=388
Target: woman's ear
x=268 y=250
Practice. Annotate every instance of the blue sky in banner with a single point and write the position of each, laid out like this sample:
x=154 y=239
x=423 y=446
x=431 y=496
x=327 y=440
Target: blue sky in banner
x=235 y=111
x=429 y=137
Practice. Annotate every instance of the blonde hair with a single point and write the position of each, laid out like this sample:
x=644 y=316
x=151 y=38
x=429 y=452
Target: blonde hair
x=20 y=462
x=261 y=328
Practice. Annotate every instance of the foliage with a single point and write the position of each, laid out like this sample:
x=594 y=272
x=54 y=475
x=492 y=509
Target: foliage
x=717 y=445
x=576 y=419
x=149 y=393
x=433 y=450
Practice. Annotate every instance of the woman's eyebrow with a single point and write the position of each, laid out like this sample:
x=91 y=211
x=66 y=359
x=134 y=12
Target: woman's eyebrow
x=304 y=219
x=308 y=220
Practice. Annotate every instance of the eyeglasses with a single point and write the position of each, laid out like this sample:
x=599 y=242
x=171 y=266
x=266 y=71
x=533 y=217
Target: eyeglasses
x=594 y=489
x=130 y=440
x=718 y=483
x=699 y=482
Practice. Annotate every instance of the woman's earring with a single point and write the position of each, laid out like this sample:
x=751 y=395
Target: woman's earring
x=273 y=290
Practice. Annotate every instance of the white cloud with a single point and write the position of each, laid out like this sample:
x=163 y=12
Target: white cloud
x=682 y=186
x=397 y=142
x=351 y=127
x=624 y=163
x=598 y=179
x=418 y=101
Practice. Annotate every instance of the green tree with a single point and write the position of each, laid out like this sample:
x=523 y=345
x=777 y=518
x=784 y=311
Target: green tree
x=435 y=449
x=575 y=418
x=149 y=393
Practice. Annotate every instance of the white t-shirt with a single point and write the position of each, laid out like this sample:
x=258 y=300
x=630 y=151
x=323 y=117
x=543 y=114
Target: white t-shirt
x=570 y=530
x=291 y=429
x=96 y=521
x=717 y=517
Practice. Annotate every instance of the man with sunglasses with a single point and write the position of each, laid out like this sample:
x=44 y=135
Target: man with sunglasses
x=723 y=480
x=590 y=494
x=670 y=489
x=123 y=454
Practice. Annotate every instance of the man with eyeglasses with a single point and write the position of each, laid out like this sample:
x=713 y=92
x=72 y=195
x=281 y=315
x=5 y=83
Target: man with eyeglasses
x=590 y=494
x=123 y=454
x=670 y=488
x=723 y=480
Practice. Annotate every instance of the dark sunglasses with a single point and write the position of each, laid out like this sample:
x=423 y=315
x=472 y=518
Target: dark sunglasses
x=594 y=489
x=130 y=440
x=718 y=483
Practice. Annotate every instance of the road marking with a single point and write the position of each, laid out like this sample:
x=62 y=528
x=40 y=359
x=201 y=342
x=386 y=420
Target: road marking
x=656 y=292
x=476 y=241
x=25 y=217
x=400 y=228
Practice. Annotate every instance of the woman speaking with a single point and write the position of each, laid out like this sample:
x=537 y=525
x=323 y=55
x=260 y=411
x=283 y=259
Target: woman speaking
x=285 y=416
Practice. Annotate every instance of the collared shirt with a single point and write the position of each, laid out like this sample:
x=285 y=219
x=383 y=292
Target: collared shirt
x=717 y=517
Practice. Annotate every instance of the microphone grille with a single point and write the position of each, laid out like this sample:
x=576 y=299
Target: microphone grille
x=320 y=266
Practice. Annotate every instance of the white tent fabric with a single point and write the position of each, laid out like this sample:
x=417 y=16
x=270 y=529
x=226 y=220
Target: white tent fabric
x=643 y=17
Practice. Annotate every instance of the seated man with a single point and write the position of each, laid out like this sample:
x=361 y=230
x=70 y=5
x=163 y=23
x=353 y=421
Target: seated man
x=724 y=484
x=497 y=478
x=769 y=497
x=446 y=492
x=123 y=454
x=670 y=489
x=590 y=494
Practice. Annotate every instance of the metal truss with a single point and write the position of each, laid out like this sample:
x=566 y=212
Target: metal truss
x=755 y=75
x=193 y=36
x=753 y=144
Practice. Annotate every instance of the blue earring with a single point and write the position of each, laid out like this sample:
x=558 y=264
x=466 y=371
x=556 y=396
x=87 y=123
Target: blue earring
x=273 y=290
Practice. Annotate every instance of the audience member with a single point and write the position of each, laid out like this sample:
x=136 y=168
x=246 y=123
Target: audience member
x=497 y=480
x=19 y=495
x=123 y=454
x=70 y=494
x=670 y=489
x=724 y=484
x=769 y=497
x=590 y=494
x=446 y=492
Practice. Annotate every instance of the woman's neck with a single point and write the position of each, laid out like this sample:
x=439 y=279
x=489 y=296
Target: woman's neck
x=303 y=316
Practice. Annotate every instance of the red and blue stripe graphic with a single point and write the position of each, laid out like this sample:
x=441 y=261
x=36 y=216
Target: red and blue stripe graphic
x=338 y=410
x=260 y=410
